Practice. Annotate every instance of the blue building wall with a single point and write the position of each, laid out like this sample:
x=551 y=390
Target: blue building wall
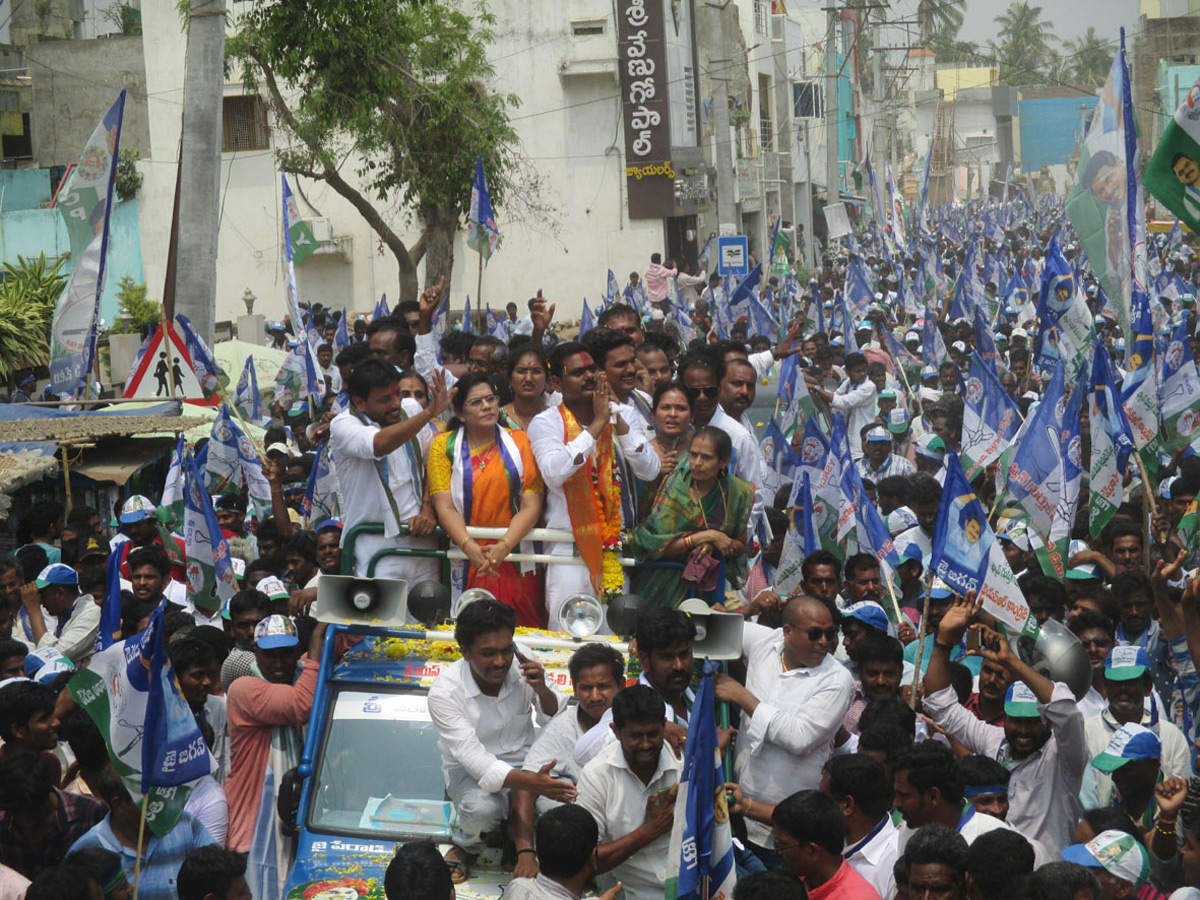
x=1174 y=82
x=25 y=189
x=1049 y=128
x=30 y=231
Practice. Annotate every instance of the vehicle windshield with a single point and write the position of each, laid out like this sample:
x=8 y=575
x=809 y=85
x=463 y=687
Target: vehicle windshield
x=380 y=772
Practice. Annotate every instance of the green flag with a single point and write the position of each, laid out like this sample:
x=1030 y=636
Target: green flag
x=304 y=244
x=1173 y=174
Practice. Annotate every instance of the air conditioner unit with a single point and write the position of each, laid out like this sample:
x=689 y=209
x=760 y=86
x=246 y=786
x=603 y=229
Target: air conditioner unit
x=322 y=229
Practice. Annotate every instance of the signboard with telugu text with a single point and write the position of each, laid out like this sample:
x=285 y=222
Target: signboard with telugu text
x=642 y=69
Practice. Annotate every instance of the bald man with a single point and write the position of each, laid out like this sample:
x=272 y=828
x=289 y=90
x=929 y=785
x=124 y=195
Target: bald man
x=794 y=699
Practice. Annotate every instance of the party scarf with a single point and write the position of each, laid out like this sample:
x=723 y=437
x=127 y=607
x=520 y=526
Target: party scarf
x=593 y=496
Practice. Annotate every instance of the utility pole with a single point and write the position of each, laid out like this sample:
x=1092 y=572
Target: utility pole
x=832 y=178
x=878 y=129
x=200 y=166
x=722 y=151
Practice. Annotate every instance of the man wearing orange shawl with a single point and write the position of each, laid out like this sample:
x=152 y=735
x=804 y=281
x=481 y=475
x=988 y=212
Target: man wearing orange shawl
x=574 y=447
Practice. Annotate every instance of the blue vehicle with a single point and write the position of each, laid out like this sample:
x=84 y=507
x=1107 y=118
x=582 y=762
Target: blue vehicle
x=370 y=777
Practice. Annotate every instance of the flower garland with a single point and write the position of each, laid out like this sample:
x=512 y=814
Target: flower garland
x=612 y=577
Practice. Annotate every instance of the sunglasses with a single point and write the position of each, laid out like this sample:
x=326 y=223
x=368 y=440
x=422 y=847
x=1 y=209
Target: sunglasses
x=705 y=391
x=815 y=634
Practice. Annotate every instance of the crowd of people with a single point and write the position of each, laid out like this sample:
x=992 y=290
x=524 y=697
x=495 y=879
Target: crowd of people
x=887 y=737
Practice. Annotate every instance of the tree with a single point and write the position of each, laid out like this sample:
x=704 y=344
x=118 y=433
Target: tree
x=398 y=86
x=28 y=294
x=934 y=16
x=1090 y=58
x=948 y=48
x=1023 y=50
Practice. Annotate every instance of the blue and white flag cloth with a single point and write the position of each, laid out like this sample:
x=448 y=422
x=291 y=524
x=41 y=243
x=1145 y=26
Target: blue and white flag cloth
x=208 y=371
x=341 y=337
x=991 y=417
x=1179 y=392
x=110 y=611
x=824 y=472
x=232 y=461
x=130 y=692
x=933 y=348
x=739 y=301
x=497 y=324
x=1112 y=444
x=857 y=291
x=381 y=308
x=967 y=556
x=587 y=321
x=247 y=398
x=482 y=233
x=700 y=858
x=320 y=493
x=612 y=289
x=209 y=566
x=778 y=456
x=468 y=326
x=707 y=249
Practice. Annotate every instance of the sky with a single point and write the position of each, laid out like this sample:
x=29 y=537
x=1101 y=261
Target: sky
x=1106 y=15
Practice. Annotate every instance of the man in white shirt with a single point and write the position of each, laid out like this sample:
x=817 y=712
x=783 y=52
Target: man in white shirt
x=597 y=673
x=380 y=443
x=630 y=790
x=854 y=398
x=857 y=783
x=1042 y=741
x=481 y=707
x=794 y=699
x=56 y=589
x=575 y=445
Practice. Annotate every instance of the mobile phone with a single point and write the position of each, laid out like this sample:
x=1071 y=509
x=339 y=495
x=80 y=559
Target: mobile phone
x=973 y=639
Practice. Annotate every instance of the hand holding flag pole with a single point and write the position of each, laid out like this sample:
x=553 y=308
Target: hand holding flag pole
x=912 y=700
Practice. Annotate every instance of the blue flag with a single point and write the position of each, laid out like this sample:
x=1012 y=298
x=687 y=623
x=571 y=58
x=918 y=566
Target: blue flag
x=740 y=301
x=208 y=371
x=341 y=337
x=933 y=348
x=587 y=321
x=209 y=566
x=110 y=611
x=777 y=451
x=482 y=233
x=173 y=748
x=1056 y=296
x=701 y=849
x=611 y=288
x=707 y=249
x=381 y=308
x=468 y=326
x=990 y=417
x=857 y=290
x=247 y=398
x=985 y=342
x=967 y=556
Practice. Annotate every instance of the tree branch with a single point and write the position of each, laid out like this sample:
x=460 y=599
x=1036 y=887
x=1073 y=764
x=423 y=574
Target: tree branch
x=330 y=175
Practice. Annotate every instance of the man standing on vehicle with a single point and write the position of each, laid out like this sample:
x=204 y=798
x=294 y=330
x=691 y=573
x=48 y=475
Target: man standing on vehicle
x=480 y=706
x=380 y=472
x=597 y=673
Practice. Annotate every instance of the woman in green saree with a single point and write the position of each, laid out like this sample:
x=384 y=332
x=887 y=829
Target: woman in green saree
x=699 y=518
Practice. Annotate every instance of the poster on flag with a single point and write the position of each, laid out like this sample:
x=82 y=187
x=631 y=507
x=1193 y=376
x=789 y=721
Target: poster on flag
x=1112 y=443
x=210 y=578
x=1173 y=173
x=990 y=417
x=85 y=205
x=967 y=556
x=482 y=234
x=129 y=690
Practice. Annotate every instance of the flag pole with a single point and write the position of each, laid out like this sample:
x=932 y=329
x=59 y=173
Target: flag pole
x=895 y=602
x=137 y=866
x=1149 y=510
x=912 y=701
x=479 y=283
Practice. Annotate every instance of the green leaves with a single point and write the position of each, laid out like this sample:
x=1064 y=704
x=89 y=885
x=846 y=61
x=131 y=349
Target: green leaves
x=28 y=293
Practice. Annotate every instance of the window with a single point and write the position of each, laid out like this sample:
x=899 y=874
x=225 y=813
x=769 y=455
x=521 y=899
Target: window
x=244 y=120
x=761 y=19
x=766 y=99
x=808 y=100
x=587 y=27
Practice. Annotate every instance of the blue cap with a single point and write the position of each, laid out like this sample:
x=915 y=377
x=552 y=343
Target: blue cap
x=869 y=613
x=1129 y=742
x=1020 y=702
x=1126 y=663
x=56 y=574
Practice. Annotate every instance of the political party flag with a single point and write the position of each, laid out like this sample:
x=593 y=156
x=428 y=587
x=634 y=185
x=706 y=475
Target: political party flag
x=170 y=508
x=298 y=241
x=130 y=692
x=857 y=290
x=778 y=456
x=1044 y=471
x=1173 y=174
x=990 y=417
x=793 y=397
x=468 y=326
x=1064 y=320
x=705 y=251
x=208 y=371
x=1104 y=204
x=232 y=461
x=497 y=324
x=381 y=308
x=897 y=212
x=1179 y=392
x=587 y=321
x=739 y=301
x=985 y=341
x=320 y=492
x=611 y=288
x=110 y=611
x=700 y=859
x=341 y=337
x=1112 y=443
x=967 y=556
x=933 y=348
x=209 y=568
x=482 y=233
x=820 y=469
x=85 y=207
x=246 y=397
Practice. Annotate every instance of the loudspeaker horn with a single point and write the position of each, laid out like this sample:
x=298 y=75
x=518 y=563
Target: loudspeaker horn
x=718 y=634
x=1058 y=654
x=349 y=600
